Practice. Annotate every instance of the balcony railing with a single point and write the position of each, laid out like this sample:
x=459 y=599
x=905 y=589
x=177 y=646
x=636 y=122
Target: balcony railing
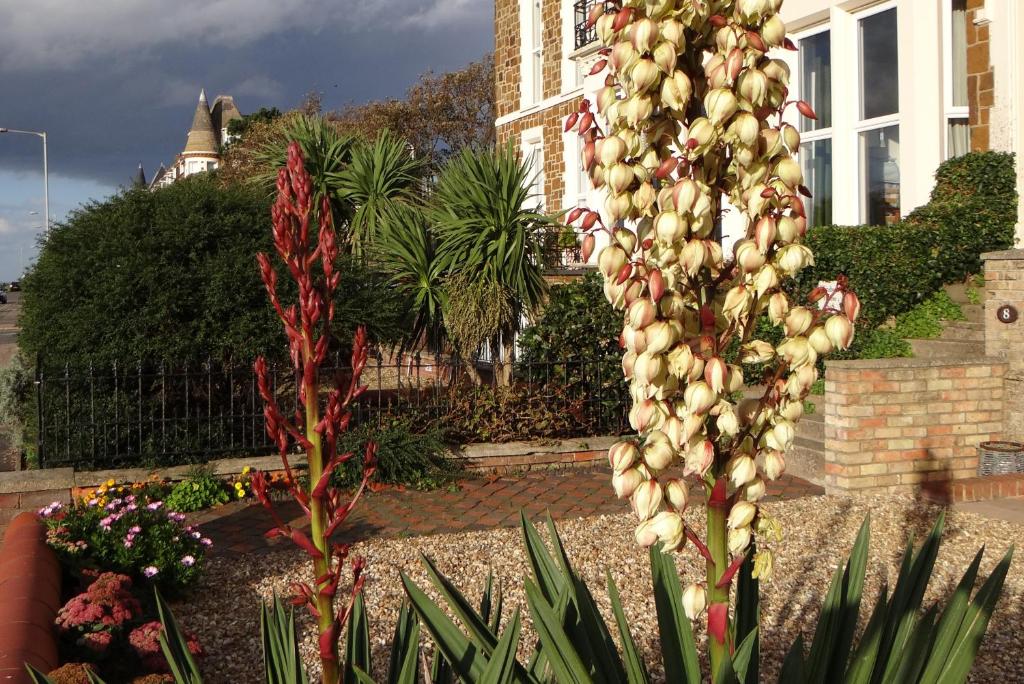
x=561 y=250
x=586 y=35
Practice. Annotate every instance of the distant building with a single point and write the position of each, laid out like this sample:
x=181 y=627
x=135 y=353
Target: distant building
x=209 y=132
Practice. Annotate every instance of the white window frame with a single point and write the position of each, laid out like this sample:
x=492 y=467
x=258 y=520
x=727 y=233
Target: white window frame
x=795 y=83
x=951 y=110
x=531 y=52
x=531 y=145
x=864 y=125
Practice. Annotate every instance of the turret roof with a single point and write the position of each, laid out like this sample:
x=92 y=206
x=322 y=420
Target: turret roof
x=201 y=137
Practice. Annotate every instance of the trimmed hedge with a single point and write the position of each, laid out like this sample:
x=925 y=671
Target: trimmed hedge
x=973 y=210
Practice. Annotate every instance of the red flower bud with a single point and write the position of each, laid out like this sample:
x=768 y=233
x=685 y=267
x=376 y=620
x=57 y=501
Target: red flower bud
x=587 y=248
x=717 y=20
x=589 y=221
x=624 y=273
x=666 y=168
x=598 y=67
x=574 y=215
x=806 y=110
x=622 y=18
x=754 y=40
x=656 y=282
x=571 y=121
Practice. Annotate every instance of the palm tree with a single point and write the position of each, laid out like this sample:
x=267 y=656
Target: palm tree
x=490 y=232
x=380 y=174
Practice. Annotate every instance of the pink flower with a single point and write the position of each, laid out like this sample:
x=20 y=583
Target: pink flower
x=188 y=561
x=150 y=571
x=155 y=505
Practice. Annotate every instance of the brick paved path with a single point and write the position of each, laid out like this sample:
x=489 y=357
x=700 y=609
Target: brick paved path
x=238 y=528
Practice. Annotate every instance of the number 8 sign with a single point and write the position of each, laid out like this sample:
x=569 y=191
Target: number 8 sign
x=1006 y=314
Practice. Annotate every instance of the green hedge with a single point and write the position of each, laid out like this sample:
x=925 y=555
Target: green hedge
x=892 y=268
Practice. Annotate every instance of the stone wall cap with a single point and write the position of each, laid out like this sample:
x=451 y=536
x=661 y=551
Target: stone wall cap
x=37 y=480
x=1004 y=255
x=224 y=466
x=470 y=451
x=886 y=364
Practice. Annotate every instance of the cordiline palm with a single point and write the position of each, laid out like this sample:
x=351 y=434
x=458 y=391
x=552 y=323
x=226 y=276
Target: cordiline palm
x=380 y=173
x=405 y=248
x=327 y=152
x=487 y=227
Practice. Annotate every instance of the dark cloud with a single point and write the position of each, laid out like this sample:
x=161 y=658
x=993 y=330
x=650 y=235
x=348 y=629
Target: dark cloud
x=116 y=84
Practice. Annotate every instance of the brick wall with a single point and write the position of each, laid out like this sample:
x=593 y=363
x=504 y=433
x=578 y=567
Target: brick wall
x=551 y=11
x=980 y=83
x=1004 y=284
x=554 y=163
x=898 y=424
x=506 y=57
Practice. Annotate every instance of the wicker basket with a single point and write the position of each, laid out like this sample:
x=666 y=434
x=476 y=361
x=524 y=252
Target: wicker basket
x=1000 y=458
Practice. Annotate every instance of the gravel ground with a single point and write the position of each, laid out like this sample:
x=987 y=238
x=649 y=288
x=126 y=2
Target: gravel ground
x=819 y=533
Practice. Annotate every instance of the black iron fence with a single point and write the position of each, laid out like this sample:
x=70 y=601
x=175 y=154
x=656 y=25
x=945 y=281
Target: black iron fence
x=585 y=35
x=149 y=414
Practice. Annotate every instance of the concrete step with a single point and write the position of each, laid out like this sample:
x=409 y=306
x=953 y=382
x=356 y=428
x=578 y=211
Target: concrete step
x=812 y=427
x=973 y=313
x=945 y=349
x=958 y=293
x=807 y=460
x=963 y=331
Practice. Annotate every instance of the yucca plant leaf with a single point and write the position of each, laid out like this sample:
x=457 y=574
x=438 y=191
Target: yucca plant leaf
x=913 y=658
x=972 y=630
x=950 y=621
x=678 y=649
x=361 y=677
x=636 y=671
x=477 y=626
x=501 y=667
x=748 y=614
x=37 y=676
x=405 y=647
x=545 y=570
x=793 y=663
x=862 y=664
x=357 y=641
x=558 y=649
x=905 y=603
x=464 y=656
x=282 y=662
x=840 y=610
x=440 y=670
x=743 y=658
x=175 y=646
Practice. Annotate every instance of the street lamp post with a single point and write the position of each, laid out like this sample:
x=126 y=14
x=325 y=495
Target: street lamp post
x=46 y=176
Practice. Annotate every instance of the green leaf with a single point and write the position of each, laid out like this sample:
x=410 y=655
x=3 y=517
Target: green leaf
x=949 y=623
x=37 y=676
x=175 y=646
x=862 y=664
x=405 y=647
x=479 y=631
x=501 y=667
x=465 y=657
x=748 y=614
x=913 y=658
x=636 y=671
x=793 y=664
x=559 y=650
x=742 y=659
x=545 y=570
x=678 y=649
x=282 y=661
x=357 y=642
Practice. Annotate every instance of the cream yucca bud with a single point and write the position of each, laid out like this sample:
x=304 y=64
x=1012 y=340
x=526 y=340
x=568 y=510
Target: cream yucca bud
x=635 y=340
x=700 y=458
x=669 y=227
x=774 y=464
x=622 y=455
x=744 y=128
x=720 y=104
x=638 y=108
x=715 y=372
x=646 y=499
x=793 y=410
x=626 y=482
x=620 y=177
x=628 y=360
x=781 y=436
x=738 y=301
x=741 y=514
x=673 y=429
x=699 y=398
x=678 y=494
x=748 y=256
x=778 y=308
x=753 y=86
x=727 y=423
x=626 y=239
x=751 y=10
x=644 y=198
x=645 y=535
x=648 y=367
x=777 y=70
x=665 y=57
x=773 y=31
x=660 y=337
x=658 y=451
x=692 y=256
x=788 y=171
x=754 y=490
x=819 y=341
x=764 y=233
x=757 y=351
x=668 y=526
x=788 y=230
x=605 y=28
x=694 y=600
x=641 y=313
x=674 y=32
x=798 y=321
x=623 y=56
x=734 y=380
x=739 y=540
x=611 y=150
x=680 y=361
x=685 y=194
x=791 y=137
x=797 y=352
x=851 y=306
x=791 y=259
x=615 y=294
x=618 y=206
x=643 y=34
x=741 y=469
x=839 y=331
x=611 y=260
x=605 y=97
x=644 y=74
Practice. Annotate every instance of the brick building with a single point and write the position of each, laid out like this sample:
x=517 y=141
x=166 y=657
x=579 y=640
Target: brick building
x=898 y=86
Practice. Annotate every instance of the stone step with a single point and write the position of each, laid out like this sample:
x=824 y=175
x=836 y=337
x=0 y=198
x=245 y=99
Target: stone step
x=945 y=349
x=973 y=313
x=807 y=460
x=958 y=293
x=812 y=427
x=963 y=331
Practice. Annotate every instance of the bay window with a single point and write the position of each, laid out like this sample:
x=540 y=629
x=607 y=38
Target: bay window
x=878 y=124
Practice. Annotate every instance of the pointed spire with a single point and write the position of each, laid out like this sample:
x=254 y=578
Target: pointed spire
x=201 y=137
x=140 y=178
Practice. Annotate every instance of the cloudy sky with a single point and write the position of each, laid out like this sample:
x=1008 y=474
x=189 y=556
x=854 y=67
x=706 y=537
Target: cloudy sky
x=115 y=82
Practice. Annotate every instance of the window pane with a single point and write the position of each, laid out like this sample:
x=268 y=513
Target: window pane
x=816 y=79
x=959 y=46
x=959 y=138
x=880 y=155
x=879 y=65
x=816 y=163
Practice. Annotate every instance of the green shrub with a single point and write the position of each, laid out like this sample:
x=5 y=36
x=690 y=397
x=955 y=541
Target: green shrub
x=925 y=320
x=893 y=268
x=199 y=490
x=405 y=456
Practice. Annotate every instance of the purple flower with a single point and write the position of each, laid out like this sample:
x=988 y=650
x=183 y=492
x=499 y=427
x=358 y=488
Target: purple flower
x=205 y=541
x=188 y=561
x=93 y=503
x=196 y=535
x=135 y=529
x=49 y=510
x=128 y=542
x=155 y=505
x=150 y=571
x=175 y=517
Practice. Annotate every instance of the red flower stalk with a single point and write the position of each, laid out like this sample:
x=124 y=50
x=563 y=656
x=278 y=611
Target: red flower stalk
x=307 y=324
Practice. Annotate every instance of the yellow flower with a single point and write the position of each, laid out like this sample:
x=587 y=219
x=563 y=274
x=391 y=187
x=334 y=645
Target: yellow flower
x=241 y=494
x=110 y=483
x=246 y=470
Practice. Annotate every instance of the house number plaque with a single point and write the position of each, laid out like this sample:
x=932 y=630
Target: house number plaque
x=1007 y=313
